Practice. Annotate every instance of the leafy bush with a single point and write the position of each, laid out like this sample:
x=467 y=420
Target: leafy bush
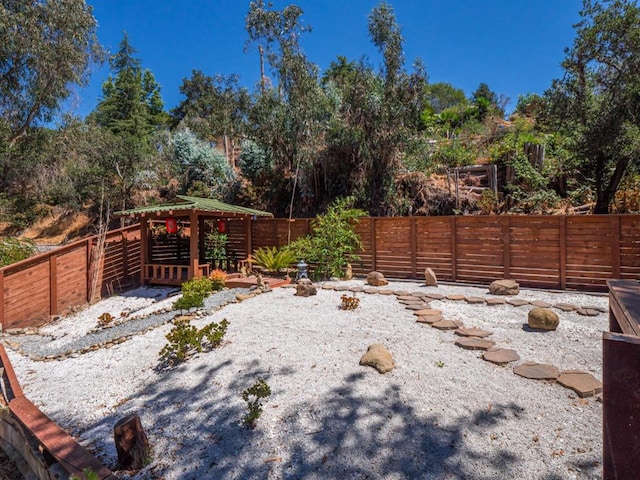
x=218 y=279
x=13 y=250
x=216 y=245
x=349 y=303
x=274 y=259
x=333 y=241
x=105 y=319
x=185 y=340
x=253 y=396
x=194 y=292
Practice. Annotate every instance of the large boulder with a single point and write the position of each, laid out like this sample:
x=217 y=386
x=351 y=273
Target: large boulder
x=504 y=287
x=543 y=319
x=379 y=358
x=304 y=288
x=430 y=278
x=376 y=279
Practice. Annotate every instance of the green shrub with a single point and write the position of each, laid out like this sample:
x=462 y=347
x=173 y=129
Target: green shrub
x=13 y=250
x=274 y=259
x=194 y=292
x=333 y=241
x=253 y=396
x=185 y=340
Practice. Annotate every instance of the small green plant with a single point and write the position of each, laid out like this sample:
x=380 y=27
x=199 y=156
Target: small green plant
x=274 y=259
x=216 y=245
x=87 y=474
x=349 y=303
x=185 y=340
x=193 y=293
x=254 y=396
x=105 y=319
x=439 y=364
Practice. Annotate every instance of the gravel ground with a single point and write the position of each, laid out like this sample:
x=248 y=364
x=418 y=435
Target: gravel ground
x=443 y=413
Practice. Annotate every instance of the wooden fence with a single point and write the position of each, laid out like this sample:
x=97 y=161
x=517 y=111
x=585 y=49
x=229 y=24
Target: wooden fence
x=53 y=283
x=559 y=252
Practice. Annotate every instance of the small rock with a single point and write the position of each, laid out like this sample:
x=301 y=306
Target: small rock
x=240 y=297
x=348 y=272
x=584 y=384
x=543 y=319
x=472 y=343
x=537 y=371
x=379 y=358
x=500 y=355
x=472 y=332
x=376 y=279
x=430 y=278
x=504 y=287
x=304 y=288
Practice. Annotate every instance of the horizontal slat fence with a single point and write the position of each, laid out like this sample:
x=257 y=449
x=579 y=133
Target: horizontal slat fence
x=559 y=252
x=53 y=283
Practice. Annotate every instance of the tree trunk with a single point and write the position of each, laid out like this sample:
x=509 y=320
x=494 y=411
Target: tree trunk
x=131 y=443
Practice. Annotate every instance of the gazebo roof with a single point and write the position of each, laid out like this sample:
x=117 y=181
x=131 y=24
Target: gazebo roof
x=188 y=204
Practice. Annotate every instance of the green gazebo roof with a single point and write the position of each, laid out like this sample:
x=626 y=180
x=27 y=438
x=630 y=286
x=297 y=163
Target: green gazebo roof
x=185 y=203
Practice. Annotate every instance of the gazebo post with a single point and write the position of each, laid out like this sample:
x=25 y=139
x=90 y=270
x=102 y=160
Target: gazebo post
x=144 y=246
x=247 y=236
x=193 y=245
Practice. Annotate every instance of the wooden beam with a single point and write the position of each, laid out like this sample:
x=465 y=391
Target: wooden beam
x=53 y=285
x=372 y=233
x=90 y=266
x=144 y=247
x=2 y=299
x=454 y=259
x=506 y=246
x=563 y=252
x=248 y=236
x=193 y=245
x=615 y=245
x=413 y=242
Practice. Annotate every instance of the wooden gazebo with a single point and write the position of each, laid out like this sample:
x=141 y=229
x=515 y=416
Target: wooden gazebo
x=183 y=220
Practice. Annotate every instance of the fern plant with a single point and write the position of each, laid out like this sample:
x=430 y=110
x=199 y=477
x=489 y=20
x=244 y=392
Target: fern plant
x=274 y=259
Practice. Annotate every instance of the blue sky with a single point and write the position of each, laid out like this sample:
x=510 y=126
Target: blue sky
x=515 y=46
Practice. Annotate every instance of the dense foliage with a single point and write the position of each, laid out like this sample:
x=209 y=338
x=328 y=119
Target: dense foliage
x=377 y=132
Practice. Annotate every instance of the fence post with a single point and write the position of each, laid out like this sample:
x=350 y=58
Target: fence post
x=454 y=260
x=372 y=234
x=413 y=242
x=506 y=246
x=615 y=245
x=125 y=256
x=1 y=299
x=248 y=234
x=90 y=267
x=563 y=252
x=53 y=284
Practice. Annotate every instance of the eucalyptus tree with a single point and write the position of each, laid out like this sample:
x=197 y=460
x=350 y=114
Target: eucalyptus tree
x=597 y=102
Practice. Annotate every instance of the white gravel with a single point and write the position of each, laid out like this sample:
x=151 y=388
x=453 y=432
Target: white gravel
x=443 y=413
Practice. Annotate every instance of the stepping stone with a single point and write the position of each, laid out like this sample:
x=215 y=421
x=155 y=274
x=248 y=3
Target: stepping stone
x=400 y=293
x=587 y=312
x=591 y=307
x=537 y=371
x=385 y=292
x=474 y=300
x=517 y=302
x=540 y=304
x=566 y=307
x=417 y=306
x=356 y=289
x=496 y=301
x=328 y=287
x=370 y=290
x=500 y=355
x=584 y=384
x=447 y=325
x=417 y=301
x=427 y=311
x=341 y=288
x=435 y=295
x=418 y=294
x=472 y=332
x=430 y=319
x=408 y=298
x=456 y=297
x=470 y=343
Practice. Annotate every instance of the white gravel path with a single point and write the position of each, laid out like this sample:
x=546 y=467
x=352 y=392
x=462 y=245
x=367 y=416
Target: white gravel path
x=443 y=413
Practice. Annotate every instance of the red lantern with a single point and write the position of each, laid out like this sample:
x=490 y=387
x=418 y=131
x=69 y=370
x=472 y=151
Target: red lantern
x=171 y=224
x=222 y=226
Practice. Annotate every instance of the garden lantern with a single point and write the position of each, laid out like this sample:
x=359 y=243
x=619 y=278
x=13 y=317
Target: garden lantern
x=171 y=225
x=222 y=226
x=302 y=270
